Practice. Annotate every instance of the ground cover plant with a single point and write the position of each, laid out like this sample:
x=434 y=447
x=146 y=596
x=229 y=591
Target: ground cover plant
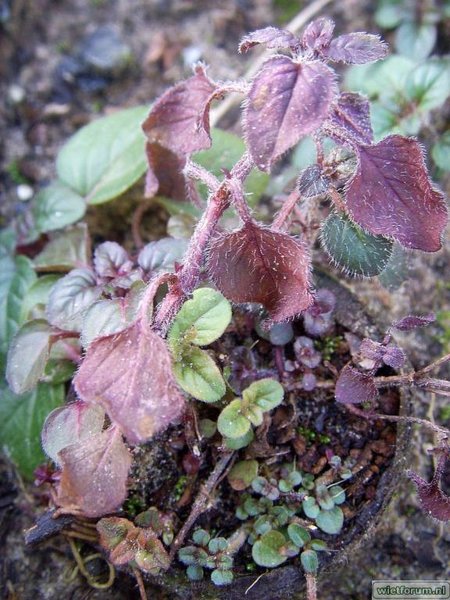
x=209 y=332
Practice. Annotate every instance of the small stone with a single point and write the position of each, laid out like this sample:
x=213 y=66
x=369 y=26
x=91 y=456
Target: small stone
x=104 y=51
x=24 y=192
x=16 y=94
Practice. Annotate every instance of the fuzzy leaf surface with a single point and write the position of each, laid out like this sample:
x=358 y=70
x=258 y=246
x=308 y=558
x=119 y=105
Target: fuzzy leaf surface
x=70 y=424
x=352 y=114
x=70 y=298
x=130 y=375
x=94 y=474
x=287 y=100
x=411 y=322
x=255 y=264
x=433 y=500
x=271 y=37
x=164 y=175
x=265 y=393
x=179 y=120
x=356 y=48
x=65 y=250
x=318 y=34
x=111 y=260
x=27 y=356
x=352 y=249
x=268 y=550
x=198 y=375
x=391 y=194
x=354 y=387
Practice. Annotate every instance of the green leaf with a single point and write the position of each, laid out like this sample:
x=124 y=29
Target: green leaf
x=198 y=375
x=267 y=551
x=28 y=355
x=239 y=442
x=227 y=148
x=428 y=85
x=181 y=227
x=37 y=296
x=70 y=298
x=21 y=421
x=242 y=474
x=106 y=157
x=265 y=393
x=16 y=277
x=221 y=577
x=382 y=78
x=201 y=320
x=415 y=40
x=352 y=249
x=162 y=254
x=65 y=250
x=57 y=206
x=176 y=207
x=389 y=14
x=330 y=521
x=441 y=152
x=310 y=507
x=231 y=422
x=298 y=535
x=309 y=561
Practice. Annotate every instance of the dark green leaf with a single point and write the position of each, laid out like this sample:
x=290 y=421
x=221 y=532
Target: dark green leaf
x=267 y=551
x=37 y=297
x=330 y=521
x=265 y=393
x=441 y=152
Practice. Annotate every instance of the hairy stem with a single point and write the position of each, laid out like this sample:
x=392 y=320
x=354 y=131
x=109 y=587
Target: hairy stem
x=311 y=586
x=201 y=502
x=291 y=202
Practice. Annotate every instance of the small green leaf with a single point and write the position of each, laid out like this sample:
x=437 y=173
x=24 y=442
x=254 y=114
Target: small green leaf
x=265 y=393
x=242 y=474
x=267 y=551
x=310 y=508
x=298 y=535
x=415 y=40
x=428 y=85
x=218 y=544
x=240 y=442
x=330 y=521
x=57 y=206
x=70 y=298
x=65 y=250
x=199 y=376
x=441 y=152
x=231 y=423
x=28 y=355
x=309 y=561
x=192 y=555
x=318 y=545
x=194 y=573
x=253 y=413
x=37 y=296
x=105 y=158
x=221 y=577
x=201 y=320
x=352 y=249
x=21 y=421
x=337 y=493
x=201 y=537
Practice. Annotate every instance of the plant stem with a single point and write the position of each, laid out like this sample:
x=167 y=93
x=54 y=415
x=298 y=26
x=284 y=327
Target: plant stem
x=311 y=586
x=201 y=502
x=286 y=209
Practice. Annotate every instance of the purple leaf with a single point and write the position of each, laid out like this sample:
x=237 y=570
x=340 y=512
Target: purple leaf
x=352 y=114
x=271 y=37
x=394 y=357
x=94 y=474
x=111 y=260
x=412 y=322
x=356 y=48
x=165 y=173
x=179 y=120
x=318 y=34
x=130 y=375
x=312 y=182
x=70 y=424
x=309 y=382
x=432 y=499
x=306 y=353
x=255 y=264
x=378 y=353
x=391 y=194
x=354 y=387
x=287 y=100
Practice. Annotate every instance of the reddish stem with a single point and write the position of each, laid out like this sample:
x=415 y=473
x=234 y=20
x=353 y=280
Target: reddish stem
x=291 y=202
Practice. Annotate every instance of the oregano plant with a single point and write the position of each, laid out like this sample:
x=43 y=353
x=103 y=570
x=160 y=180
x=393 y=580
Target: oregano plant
x=145 y=329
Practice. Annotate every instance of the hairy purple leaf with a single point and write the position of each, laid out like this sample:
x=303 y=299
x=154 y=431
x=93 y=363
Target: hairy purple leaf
x=378 y=353
x=312 y=182
x=130 y=375
x=352 y=114
x=271 y=37
x=179 y=120
x=391 y=194
x=356 y=48
x=306 y=353
x=432 y=499
x=394 y=357
x=255 y=264
x=70 y=424
x=318 y=34
x=413 y=321
x=287 y=100
x=94 y=474
x=111 y=260
x=165 y=173
x=354 y=387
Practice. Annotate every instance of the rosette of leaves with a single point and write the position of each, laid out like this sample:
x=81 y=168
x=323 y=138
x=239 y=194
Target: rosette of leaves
x=208 y=553
x=237 y=418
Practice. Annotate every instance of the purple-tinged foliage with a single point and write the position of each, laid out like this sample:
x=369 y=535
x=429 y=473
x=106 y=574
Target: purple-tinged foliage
x=318 y=35
x=356 y=48
x=433 y=500
x=394 y=357
x=255 y=264
x=351 y=113
x=287 y=100
x=179 y=120
x=391 y=194
x=312 y=182
x=318 y=318
x=354 y=387
x=111 y=260
x=309 y=382
x=130 y=375
x=411 y=322
x=271 y=37
x=306 y=353
x=94 y=474
x=164 y=175
x=378 y=353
